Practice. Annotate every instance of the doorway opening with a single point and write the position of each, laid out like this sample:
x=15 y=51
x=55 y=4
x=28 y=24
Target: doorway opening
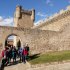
x=13 y=40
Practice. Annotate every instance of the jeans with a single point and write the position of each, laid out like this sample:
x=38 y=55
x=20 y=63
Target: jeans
x=24 y=58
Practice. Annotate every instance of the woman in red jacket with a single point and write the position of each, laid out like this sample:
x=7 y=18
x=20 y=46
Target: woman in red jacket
x=24 y=54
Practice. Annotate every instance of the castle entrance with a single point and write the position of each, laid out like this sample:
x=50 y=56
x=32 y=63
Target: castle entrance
x=13 y=40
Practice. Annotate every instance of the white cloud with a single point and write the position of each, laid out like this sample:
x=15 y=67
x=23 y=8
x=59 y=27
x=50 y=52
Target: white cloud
x=49 y=2
x=41 y=14
x=40 y=21
x=43 y=20
x=1 y=18
x=6 y=21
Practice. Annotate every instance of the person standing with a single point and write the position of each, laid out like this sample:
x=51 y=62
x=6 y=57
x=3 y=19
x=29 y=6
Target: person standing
x=9 y=54
x=4 y=58
x=20 y=53
x=24 y=54
x=14 y=54
x=27 y=48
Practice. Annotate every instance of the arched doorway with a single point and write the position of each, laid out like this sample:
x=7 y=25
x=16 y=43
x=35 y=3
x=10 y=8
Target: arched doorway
x=13 y=39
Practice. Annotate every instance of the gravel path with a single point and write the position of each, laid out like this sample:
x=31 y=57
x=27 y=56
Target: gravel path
x=22 y=66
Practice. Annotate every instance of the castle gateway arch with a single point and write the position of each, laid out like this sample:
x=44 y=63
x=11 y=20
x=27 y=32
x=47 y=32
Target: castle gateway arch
x=9 y=31
x=32 y=37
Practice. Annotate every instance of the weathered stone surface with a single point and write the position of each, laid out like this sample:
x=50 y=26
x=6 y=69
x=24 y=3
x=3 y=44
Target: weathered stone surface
x=24 y=18
x=54 y=35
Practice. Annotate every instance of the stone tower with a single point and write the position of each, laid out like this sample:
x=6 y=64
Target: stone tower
x=24 y=18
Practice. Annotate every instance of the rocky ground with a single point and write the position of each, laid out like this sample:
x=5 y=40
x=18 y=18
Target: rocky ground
x=20 y=66
x=27 y=66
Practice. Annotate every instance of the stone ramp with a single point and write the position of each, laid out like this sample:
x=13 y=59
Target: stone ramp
x=20 y=66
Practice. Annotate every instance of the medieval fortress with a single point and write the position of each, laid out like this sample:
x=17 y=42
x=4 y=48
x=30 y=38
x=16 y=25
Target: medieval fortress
x=51 y=35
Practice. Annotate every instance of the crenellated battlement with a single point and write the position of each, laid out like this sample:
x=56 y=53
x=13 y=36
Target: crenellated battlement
x=57 y=16
x=60 y=12
x=26 y=12
x=24 y=18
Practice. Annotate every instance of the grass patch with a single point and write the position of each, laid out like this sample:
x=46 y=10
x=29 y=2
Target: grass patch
x=50 y=57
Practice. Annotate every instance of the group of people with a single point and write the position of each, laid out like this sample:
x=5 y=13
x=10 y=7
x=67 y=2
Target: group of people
x=10 y=52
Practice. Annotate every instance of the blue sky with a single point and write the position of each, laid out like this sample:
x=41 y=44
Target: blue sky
x=43 y=8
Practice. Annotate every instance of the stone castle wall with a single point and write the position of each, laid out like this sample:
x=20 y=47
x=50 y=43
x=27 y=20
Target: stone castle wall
x=40 y=41
x=34 y=38
x=55 y=38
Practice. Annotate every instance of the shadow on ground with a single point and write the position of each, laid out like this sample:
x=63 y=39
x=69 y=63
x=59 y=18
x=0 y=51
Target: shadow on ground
x=15 y=63
x=29 y=58
x=33 y=57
